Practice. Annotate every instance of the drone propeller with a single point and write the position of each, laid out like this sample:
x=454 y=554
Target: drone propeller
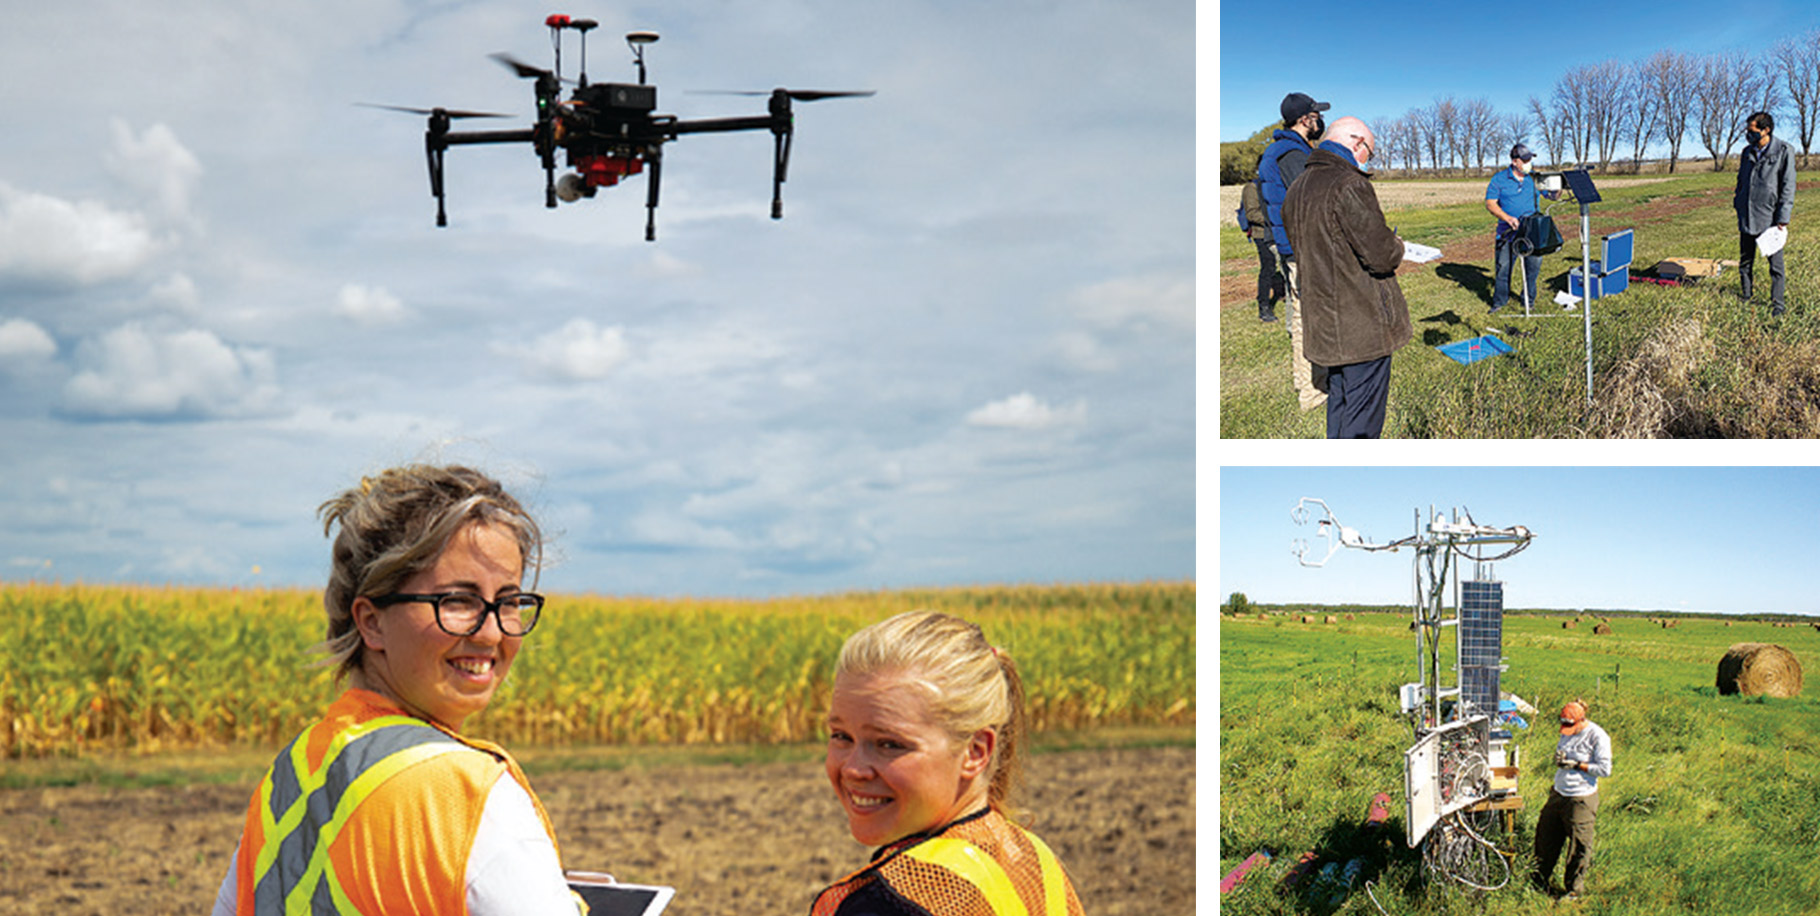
x=524 y=70
x=446 y=112
x=799 y=95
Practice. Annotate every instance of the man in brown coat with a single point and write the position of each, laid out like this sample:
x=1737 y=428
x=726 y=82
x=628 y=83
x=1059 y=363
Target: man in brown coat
x=1354 y=316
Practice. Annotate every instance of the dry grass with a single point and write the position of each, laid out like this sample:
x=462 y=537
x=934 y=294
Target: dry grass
x=1647 y=396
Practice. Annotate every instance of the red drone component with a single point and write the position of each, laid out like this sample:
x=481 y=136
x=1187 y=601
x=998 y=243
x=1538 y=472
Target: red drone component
x=606 y=171
x=557 y=21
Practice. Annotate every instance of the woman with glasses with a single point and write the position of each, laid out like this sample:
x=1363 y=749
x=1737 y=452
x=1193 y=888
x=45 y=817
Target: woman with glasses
x=384 y=805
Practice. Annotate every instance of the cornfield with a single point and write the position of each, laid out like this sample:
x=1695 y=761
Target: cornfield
x=142 y=669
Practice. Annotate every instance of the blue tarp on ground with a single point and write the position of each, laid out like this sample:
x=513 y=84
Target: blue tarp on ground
x=1466 y=352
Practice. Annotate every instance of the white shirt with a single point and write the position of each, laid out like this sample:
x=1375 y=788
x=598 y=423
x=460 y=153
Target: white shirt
x=1591 y=746
x=512 y=867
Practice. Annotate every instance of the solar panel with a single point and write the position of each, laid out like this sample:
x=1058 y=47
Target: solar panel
x=1481 y=646
x=1581 y=184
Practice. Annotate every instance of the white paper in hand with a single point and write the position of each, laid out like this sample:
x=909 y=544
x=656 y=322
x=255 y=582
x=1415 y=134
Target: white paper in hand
x=1772 y=240
x=1421 y=254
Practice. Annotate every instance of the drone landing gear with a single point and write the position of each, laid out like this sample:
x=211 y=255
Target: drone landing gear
x=434 y=152
x=783 y=125
x=657 y=169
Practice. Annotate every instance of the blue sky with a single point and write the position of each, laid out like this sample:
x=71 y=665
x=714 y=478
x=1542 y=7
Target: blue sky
x=1733 y=540
x=965 y=355
x=1373 y=60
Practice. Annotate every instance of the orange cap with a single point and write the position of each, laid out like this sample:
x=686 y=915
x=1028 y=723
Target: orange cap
x=1572 y=715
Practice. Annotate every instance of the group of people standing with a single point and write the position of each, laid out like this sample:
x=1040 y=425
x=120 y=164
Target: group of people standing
x=1325 y=250
x=384 y=806
x=1339 y=258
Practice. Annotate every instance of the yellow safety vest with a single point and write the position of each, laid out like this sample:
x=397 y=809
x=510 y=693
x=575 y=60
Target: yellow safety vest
x=980 y=865
x=368 y=810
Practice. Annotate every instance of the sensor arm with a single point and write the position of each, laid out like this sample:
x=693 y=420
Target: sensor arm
x=439 y=138
x=780 y=122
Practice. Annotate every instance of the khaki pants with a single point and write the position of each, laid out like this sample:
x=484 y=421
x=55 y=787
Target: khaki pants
x=1568 y=820
x=1310 y=380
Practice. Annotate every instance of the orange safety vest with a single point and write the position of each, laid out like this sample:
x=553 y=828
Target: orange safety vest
x=980 y=865
x=369 y=811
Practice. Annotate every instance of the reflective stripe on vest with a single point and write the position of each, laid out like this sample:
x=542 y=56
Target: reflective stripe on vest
x=977 y=868
x=302 y=810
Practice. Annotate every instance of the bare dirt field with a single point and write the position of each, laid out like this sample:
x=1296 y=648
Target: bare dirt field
x=754 y=838
x=1404 y=195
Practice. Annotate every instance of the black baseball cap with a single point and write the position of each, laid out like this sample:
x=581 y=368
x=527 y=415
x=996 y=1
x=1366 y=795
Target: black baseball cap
x=1521 y=152
x=1296 y=104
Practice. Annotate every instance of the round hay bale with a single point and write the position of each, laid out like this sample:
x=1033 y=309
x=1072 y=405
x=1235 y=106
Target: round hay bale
x=1757 y=668
x=1603 y=629
x=1569 y=624
x=1333 y=619
x=1306 y=618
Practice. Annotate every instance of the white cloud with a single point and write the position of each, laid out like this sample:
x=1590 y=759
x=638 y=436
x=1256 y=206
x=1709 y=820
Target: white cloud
x=131 y=372
x=669 y=529
x=24 y=340
x=1024 y=411
x=369 y=306
x=1084 y=351
x=579 y=351
x=1167 y=302
x=179 y=292
x=46 y=238
x=155 y=164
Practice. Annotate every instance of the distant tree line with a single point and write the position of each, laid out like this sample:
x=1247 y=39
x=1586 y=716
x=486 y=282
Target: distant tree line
x=1239 y=604
x=1601 y=114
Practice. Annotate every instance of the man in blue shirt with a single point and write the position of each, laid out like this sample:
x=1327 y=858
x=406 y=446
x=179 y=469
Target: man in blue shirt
x=1278 y=168
x=1510 y=196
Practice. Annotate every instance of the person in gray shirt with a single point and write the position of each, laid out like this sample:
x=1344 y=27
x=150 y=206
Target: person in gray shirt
x=1765 y=197
x=1582 y=756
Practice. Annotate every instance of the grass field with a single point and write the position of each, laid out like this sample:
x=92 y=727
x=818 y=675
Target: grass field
x=1667 y=361
x=106 y=671
x=1713 y=805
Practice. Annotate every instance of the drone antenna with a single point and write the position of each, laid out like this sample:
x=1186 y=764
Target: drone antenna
x=584 y=26
x=637 y=41
x=557 y=22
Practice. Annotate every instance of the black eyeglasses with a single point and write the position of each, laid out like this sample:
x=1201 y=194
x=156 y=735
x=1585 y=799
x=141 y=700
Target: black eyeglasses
x=463 y=613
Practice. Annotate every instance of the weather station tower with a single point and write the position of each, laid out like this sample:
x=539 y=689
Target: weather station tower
x=1460 y=775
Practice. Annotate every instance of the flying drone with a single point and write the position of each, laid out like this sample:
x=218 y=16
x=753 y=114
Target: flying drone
x=606 y=131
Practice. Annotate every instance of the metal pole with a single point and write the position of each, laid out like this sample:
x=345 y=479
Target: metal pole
x=1586 y=287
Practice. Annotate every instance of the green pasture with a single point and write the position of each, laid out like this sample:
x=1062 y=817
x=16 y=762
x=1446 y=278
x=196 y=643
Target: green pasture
x=1667 y=361
x=1713 y=805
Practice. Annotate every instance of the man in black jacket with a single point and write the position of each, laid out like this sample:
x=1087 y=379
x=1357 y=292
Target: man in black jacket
x=1765 y=197
x=1278 y=169
x=1354 y=316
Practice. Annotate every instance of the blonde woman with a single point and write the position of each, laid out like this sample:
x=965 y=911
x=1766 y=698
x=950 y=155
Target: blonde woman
x=383 y=806
x=924 y=729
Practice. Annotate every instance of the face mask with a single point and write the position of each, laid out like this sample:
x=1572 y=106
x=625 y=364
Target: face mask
x=1319 y=126
x=1754 y=136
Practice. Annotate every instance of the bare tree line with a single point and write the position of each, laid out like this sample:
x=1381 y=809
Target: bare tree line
x=1612 y=111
